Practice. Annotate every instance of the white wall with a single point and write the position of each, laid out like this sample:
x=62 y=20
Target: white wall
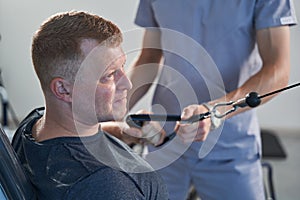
x=20 y=19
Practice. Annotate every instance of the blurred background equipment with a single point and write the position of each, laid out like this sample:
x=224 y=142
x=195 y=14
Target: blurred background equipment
x=9 y=118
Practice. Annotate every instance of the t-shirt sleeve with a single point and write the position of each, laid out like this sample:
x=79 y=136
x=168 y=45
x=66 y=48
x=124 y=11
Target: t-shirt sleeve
x=104 y=184
x=270 y=13
x=145 y=16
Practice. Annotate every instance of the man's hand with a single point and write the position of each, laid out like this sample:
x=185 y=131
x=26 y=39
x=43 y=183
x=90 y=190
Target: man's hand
x=153 y=133
x=121 y=130
x=150 y=132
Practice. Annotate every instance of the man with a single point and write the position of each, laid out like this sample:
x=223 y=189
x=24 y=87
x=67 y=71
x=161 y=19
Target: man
x=213 y=51
x=80 y=65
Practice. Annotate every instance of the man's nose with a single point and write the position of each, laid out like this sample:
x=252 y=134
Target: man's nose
x=124 y=82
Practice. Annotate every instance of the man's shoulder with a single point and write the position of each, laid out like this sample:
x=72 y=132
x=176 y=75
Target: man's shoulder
x=114 y=184
x=110 y=184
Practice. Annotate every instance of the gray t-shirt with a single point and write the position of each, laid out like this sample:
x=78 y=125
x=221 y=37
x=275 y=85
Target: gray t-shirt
x=94 y=167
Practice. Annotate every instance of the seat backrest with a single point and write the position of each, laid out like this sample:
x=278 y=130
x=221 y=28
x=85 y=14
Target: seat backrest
x=272 y=147
x=13 y=179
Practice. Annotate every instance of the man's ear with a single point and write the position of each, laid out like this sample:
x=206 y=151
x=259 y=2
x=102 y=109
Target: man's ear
x=61 y=88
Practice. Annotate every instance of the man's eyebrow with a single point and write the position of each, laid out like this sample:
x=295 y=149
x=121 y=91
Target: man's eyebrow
x=114 y=66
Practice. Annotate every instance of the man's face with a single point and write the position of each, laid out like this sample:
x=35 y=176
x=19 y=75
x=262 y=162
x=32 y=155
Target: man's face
x=112 y=87
x=101 y=88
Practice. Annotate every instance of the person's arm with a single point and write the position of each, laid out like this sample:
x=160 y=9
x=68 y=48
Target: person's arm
x=274 y=48
x=122 y=131
x=145 y=69
x=150 y=132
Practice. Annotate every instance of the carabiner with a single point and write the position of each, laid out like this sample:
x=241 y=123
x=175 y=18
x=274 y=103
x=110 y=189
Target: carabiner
x=219 y=114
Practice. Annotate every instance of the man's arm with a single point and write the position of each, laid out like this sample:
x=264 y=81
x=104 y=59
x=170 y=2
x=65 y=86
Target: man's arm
x=145 y=69
x=274 y=48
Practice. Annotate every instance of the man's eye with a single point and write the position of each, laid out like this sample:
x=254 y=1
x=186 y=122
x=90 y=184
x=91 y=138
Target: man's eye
x=111 y=75
x=108 y=77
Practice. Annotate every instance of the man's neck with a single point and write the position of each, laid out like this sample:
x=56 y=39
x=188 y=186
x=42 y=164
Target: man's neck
x=48 y=128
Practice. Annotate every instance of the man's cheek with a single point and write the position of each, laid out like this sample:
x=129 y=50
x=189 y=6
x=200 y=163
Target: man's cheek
x=104 y=96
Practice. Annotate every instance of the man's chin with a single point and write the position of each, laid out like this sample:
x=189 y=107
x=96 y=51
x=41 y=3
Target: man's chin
x=116 y=116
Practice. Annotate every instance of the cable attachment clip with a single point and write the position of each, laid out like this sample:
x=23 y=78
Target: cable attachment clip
x=252 y=100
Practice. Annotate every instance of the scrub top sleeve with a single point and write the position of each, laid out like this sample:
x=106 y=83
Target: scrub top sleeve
x=145 y=16
x=270 y=13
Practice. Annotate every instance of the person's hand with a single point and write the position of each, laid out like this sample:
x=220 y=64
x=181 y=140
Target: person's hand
x=196 y=131
x=121 y=130
x=152 y=132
